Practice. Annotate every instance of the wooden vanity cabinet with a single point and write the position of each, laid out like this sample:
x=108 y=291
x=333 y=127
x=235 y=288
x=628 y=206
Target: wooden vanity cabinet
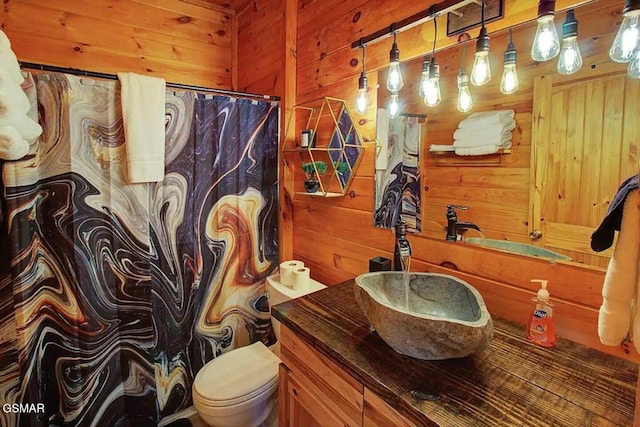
x=315 y=392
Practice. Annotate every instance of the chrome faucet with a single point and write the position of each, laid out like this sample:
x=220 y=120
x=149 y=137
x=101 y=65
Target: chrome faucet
x=453 y=225
x=402 y=248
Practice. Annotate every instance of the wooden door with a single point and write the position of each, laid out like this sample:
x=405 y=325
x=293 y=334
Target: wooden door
x=585 y=143
x=378 y=413
x=300 y=405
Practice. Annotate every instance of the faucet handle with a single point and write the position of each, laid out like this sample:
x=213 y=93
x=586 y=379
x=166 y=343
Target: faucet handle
x=460 y=207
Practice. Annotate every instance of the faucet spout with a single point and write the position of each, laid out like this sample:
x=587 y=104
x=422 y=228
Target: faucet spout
x=402 y=247
x=454 y=226
x=467 y=225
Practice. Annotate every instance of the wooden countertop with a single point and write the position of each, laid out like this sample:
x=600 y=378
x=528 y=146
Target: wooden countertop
x=513 y=382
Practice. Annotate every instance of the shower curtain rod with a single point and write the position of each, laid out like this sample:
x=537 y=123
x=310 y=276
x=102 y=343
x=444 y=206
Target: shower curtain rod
x=78 y=72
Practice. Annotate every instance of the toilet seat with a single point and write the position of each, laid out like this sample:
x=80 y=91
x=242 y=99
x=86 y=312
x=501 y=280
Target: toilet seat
x=237 y=377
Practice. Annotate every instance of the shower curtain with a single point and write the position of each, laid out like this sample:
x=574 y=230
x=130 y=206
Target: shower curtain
x=113 y=295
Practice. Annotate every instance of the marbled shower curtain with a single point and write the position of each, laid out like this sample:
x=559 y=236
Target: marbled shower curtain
x=112 y=295
x=398 y=187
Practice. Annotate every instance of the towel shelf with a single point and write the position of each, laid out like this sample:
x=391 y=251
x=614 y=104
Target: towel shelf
x=450 y=158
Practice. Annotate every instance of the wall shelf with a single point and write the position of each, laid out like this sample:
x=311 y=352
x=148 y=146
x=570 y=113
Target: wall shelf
x=335 y=141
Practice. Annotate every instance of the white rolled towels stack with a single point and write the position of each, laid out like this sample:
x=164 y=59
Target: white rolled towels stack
x=287 y=269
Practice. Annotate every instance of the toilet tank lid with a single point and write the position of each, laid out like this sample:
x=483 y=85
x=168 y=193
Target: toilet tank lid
x=237 y=373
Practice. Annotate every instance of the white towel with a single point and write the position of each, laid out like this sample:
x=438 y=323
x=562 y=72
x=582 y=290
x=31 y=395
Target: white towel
x=12 y=93
x=504 y=142
x=143 y=115
x=8 y=60
x=618 y=316
x=487 y=118
x=480 y=150
x=10 y=115
x=489 y=134
x=441 y=147
x=12 y=145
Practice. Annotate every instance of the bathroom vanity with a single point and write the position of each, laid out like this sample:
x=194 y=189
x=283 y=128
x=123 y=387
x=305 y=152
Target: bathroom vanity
x=336 y=371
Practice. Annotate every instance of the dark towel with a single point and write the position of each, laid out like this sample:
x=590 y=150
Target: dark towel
x=602 y=238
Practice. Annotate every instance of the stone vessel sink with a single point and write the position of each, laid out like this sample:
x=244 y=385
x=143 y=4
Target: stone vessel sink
x=441 y=317
x=517 y=248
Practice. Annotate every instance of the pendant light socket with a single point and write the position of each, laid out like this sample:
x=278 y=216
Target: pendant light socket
x=434 y=69
x=425 y=63
x=482 y=43
x=394 y=53
x=510 y=54
x=630 y=5
x=570 y=26
x=362 y=81
x=546 y=7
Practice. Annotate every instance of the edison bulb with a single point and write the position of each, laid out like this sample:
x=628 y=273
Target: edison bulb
x=362 y=101
x=545 y=43
x=393 y=108
x=570 y=60
x=432 y=95
x=424 y=82
x=633 y=69
x=481 y=71
x=465 y=103
x=626 y=39
x=509 y=83
x=394 y=79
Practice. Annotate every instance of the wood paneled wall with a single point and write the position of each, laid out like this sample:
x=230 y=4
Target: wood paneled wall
x=181 y=42
x=336 y=237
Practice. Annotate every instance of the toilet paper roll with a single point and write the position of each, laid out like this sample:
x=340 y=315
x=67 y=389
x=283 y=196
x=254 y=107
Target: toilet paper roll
x=286 y=271
x=300 y=278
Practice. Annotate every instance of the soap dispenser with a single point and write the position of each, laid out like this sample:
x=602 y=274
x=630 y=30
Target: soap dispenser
x=541 y=329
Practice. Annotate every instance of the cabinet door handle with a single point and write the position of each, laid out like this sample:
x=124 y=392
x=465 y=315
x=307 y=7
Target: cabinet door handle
x=535 y=234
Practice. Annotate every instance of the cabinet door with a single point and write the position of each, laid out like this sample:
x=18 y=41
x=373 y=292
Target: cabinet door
x=300 y=405
x=377 y=413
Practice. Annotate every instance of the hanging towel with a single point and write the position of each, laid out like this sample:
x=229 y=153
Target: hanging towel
x=143 y=115
x=485 y=118
x=12 y=145
x=441 y=147
x=480 y=150
x=618 y=315
x=8 y=60
x=11 y=115
x=602 y=238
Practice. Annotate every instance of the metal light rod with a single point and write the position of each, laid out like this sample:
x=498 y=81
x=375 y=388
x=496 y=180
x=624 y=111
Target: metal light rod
x=416 y=19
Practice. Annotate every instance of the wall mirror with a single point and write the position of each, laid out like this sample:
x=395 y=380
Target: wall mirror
x=575 y=140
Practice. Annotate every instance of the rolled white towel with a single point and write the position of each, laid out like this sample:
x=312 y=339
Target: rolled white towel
x=441 y=147
x=504 y=142
x=487 y=118
x=488 y=134
x=12 y=145
x=480 y=150
x=8 y=60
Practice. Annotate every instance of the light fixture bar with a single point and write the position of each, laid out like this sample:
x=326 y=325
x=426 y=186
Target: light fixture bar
x=442 y=8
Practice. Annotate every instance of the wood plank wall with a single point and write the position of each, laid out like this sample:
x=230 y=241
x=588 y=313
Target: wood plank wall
x=181 y=42
x=336 y=238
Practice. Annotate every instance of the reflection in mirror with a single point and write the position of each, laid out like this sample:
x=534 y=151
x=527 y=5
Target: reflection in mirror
x=344 y=148
x=575 y=142
x=397 y=172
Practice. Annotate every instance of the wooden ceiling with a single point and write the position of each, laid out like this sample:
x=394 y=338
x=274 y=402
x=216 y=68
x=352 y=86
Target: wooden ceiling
x=236 y=5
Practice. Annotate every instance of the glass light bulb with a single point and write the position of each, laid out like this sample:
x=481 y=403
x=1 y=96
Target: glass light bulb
x=424 y=82
x=633 y=69
x=545 y=43
x=509 y=83
x=393 y=108
x=465 y=103
x=570 y=60
x=394 y=79
x=481 y=71
x=362 y=101
x=626 y=39
x=432 y=96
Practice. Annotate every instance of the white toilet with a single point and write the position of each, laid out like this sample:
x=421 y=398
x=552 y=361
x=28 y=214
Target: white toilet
x=240 y=388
